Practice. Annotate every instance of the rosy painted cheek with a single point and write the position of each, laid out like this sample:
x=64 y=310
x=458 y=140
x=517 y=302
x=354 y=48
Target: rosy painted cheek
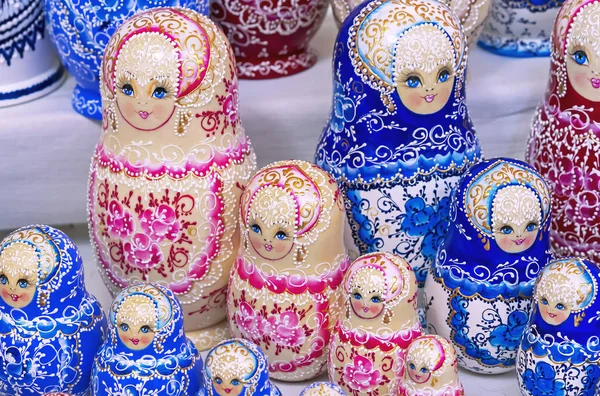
x=375 y=309
x=581 y=79
x=145 y=340
x=415 y=100
x=357 y=306
x=255 y=240
x=281 y=247
x=129 y=109
x=504 y=242
x=124 y=338
x=161 y=111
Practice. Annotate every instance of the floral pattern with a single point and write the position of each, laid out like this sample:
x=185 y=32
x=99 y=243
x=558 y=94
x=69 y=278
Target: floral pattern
x=542 y=381
x=118 y=221
x=508 y=336
x=361 y=375
x=426 y=221
x=141 y=252
x=160 y=223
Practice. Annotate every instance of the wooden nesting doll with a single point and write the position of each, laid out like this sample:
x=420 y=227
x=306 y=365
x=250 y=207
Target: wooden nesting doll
x=323 y=389
x=170 y=165
x=564 y=145
x=559 y=353
x=431 y=368
x=368 y=348
x=146 y=347
x=50 y=327
x=286 y=285
x=238 y=367
x=399 y=134
x=479 y=292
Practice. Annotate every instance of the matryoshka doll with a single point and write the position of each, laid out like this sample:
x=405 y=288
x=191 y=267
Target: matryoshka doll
x=323 y=389
x=170 y=165
x=564 y=145
x=146 y=347
x=50 y=327
x=286 y=285
x=559 y=354
x=399 y=134
x=237 y=367
x=368 y=349
x=519 y=28
x=431 y=368
x=270 y=38
x=479 y=292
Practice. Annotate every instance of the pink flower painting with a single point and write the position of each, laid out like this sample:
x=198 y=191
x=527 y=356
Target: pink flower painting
x=286 y=330
x=142 y=252
x=160 y=223
x=360 y=375
x=118 y=220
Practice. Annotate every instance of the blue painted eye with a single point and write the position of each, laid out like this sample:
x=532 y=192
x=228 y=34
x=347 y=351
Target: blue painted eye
x=530 y=227
x=256 y=228
x=444 y=76
x=235 y=382
x=544 y=301
x=580 y=57
x=413 y=82
x=423 y=370
x=128 y=89
x=560 y=306
x=412 y=366
x=22 y=283
x=218 y=380
x=159 y=93
x=280 y=235
x=124 y=327
x=145 y=329
x=3 y=279
x=507 y=230
x=375 y=299
x=357 y=296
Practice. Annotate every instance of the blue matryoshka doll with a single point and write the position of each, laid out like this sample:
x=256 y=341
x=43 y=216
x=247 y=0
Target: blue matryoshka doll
x=50 y=327
x=238 y=367
x=323 y=389
x=478 y=294
x=399 y=134
x=560 y=349
x=146 y=347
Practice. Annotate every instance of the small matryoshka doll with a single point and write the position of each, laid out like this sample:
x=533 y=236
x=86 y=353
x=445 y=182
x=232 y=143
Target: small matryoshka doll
x=171 y=164
x=323 y=389
x=559 y=353
x=399 y=134
x=368 y=348
x=146 y=347
x=431 y=368
x=50 y=327
x=519 y=28
x=286 y=285
x=564 y=145
x=238 y=367
x=478 y=294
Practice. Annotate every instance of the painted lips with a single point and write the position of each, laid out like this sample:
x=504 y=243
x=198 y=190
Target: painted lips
x=552 y=315
x=429 y=98
x=366 y=309
x=519 y=242
x=134 y=340
x=268 y=248
x=143 y=114
x=595 y=82
x=15 y=297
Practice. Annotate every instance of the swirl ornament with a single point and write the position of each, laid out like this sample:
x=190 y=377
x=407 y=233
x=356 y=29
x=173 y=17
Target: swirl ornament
x=146 y=345
x=486 y=266
x=286 y=285
x=565 y=136
x=48 y=322
x=561 y=336
x=81 y=30
x=171 y=164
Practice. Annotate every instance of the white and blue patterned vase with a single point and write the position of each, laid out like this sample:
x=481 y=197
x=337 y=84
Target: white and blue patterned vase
x=237 y=367
x=29 y=66
x=80 y=30
x=50 y=327
x=146 y=351
x=323 y=389
x=519 y=28
x=478 y=294
x=399 y=133
x=559 y=353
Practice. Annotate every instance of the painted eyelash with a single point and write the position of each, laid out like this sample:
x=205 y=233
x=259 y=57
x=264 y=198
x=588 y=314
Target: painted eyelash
x=404 y=76
x=164 y=83
x=122 y=81
x=576 y=48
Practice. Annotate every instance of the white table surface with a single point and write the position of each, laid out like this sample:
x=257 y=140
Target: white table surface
x=45 y=147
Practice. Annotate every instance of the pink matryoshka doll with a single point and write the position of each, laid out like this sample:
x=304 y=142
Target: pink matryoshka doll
x=368 y=348
x=564 y=145
x=170 y=165
x=286 y=285
x=431 y=368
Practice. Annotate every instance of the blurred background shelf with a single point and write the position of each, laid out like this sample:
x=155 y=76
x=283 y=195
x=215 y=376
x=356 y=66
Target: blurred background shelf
x=45 y=147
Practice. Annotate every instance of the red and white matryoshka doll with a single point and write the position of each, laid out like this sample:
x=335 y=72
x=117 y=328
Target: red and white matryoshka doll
x=368 y=349
x=286 y=285
x=170 y=165
x=565 y=139
x=431 y=368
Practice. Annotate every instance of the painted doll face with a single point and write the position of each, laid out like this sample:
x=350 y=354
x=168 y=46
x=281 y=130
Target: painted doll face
x=555 y=295
x=136 y=322
x=583 y=54
x=18 y=274
x=367 y=293
x=228 y=385
x=146 y=81
x=419 y=373
x=515 y=218
x=271 y=224
x=425 y=77
x=554 y=311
